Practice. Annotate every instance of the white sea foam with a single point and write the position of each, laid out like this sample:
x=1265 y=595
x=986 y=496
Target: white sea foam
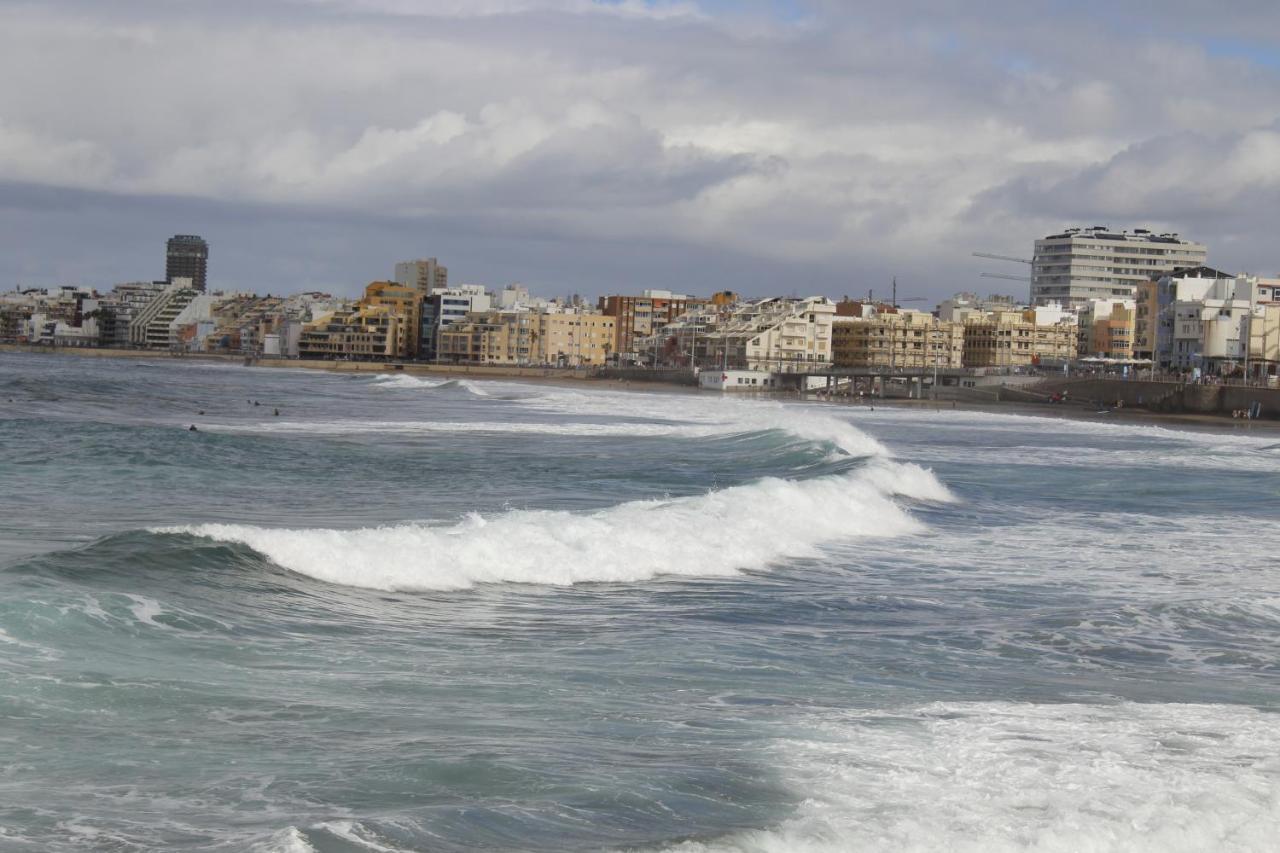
x=1006 y=776
x=1050 y=441
x=405 y=381
x=719 y=533
x=288 y=840
x=357 y=835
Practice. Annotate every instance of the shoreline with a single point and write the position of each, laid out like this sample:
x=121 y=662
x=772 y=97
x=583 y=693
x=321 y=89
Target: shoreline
x=1126 y=416
x=571 y=377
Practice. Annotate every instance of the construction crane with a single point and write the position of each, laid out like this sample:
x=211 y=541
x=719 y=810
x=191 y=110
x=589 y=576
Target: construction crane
x=1001 y=257
x=1025 y=279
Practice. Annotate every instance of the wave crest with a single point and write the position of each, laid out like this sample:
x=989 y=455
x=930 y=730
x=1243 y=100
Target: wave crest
x=717 y=534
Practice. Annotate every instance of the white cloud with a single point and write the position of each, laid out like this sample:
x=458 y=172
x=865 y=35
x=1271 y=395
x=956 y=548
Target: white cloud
x=891 y=138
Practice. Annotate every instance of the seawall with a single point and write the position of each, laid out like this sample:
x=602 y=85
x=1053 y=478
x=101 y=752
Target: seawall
x=1168 y=397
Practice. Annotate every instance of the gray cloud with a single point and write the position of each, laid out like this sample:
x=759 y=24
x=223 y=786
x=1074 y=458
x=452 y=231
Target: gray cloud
x=584 y=146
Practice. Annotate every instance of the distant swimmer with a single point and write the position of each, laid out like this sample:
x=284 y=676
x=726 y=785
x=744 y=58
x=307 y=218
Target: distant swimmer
x=201 y=412
x=276 y=412
x=256 y=403
x=192 y=428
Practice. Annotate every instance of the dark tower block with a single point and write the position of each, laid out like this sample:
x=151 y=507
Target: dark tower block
x=187 y=256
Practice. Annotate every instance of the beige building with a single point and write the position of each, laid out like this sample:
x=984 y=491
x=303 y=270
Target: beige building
x=778 y=334
x=902 y=339
x=426 y=275
x=489 y=337
x=347 y=334
x=575 y=339
x=1015 y=339
x=1146 y=310
x=562 y=339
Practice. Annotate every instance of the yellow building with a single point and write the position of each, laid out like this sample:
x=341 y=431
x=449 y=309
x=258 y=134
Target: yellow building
x=404 y=303
x=384 y=324
x=905 y=339
x=358 y=333
x=575 y=340
x=1264 y=340
x=1014 y=339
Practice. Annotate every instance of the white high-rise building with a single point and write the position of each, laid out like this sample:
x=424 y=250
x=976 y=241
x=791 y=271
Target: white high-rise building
x=1083 y=264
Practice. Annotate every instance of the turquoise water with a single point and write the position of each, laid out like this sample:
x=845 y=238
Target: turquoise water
x=410 y=614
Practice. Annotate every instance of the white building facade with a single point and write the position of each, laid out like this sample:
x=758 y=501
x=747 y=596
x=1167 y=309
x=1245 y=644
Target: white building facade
x=1079 y=265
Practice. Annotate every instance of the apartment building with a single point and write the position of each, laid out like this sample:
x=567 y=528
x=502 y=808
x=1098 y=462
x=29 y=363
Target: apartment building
x=402 y=303
x=1107 y=328
x=385 y=323
x=187 y=256
x=776 y=334
x=444 y=307
x=358 y=333
x=557 y=338
x=1016 y=339
x=896 y=339
x=575 y=338
x=639 y=317
x=426 y=275
x=1081 y=264
x=149 y=326
x=489 y=337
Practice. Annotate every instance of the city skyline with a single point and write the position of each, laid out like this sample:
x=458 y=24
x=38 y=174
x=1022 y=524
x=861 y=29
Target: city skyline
x=590 y=147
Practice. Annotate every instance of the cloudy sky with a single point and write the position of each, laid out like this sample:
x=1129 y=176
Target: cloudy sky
x=778 y=146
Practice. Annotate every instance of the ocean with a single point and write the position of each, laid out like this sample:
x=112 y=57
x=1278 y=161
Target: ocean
x=411 y=614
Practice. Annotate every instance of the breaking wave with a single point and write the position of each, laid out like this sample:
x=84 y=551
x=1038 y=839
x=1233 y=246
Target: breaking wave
x=401 y=380
x=692 y=415
x=746 y=527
